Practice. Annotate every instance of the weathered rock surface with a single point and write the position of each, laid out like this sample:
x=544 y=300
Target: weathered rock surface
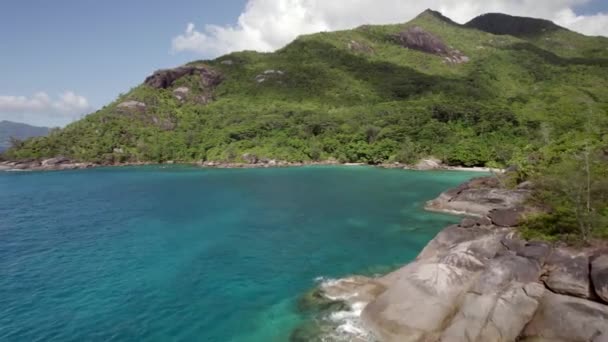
x=479 y=197
x=132 y=105
x=163 y=79
x=269 y=74
x=181 y=93
x=421 y=297
x=418 y=39
x=506 y=217
x=428 y=164
x=565 y=318
x=479 y=281
x=568 y=273
x=52 y=164
x=599 y=276
x=359 y=47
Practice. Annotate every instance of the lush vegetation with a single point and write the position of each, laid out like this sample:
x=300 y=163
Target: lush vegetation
x=10 y=132
x=358 y=96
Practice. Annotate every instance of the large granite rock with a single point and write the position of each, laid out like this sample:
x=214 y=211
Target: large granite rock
x=428 y=164
x=478 y=197
x=568 y=319
x=422 y=297
x=55 y=161
x=599 y=276
x=568 y=273
x=359 y=47
x=509 y=217
x=418 y=39
x=132 y=105
x=163 y=79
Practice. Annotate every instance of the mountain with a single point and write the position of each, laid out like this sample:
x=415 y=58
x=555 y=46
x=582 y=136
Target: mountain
x=9 y=129
x=486 y=93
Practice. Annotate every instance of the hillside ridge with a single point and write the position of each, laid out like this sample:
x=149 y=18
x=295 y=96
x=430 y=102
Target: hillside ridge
x=375 y=94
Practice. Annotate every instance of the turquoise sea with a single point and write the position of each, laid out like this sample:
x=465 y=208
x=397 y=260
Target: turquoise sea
x=186 y=254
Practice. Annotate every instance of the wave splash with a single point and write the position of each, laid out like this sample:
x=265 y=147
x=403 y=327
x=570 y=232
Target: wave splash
x=346 y=323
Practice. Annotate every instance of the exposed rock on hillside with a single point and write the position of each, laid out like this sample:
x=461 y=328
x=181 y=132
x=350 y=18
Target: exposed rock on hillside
x=132 y=105
x=268 y=75
x=181 y=93
x=165 y=78
x=418 y=39
x=359 y=47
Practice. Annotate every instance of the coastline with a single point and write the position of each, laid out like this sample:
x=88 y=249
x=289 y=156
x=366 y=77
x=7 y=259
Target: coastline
x=476 y=281
x=61 y=164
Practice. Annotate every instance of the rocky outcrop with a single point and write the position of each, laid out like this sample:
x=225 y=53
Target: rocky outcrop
x=428 y=164
x=599 y=275
x=480 y=281
x=417 y=38
x=51 y=164
x=181 y=93
x=132 y=105
x=479 y=197
x=506 y=217
x=270 y=74
x=568 y=273
x=359 y=47
x=565 y=318
x=163 y=79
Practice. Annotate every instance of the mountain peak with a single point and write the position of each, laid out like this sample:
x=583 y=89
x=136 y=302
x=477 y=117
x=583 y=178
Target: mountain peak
x=432 y=14
x=499 y=23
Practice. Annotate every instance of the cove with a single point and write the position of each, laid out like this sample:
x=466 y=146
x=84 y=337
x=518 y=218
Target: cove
x=188 y=254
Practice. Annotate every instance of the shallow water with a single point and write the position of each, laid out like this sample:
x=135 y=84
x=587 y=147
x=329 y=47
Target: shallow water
x=185 y=254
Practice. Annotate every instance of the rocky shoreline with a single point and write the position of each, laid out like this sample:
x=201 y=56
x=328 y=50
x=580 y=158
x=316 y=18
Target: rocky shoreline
x=62 y=163
x=478 y=281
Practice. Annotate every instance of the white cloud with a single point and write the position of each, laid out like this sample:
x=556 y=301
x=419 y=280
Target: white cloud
x=41 y=109
x=266 y=25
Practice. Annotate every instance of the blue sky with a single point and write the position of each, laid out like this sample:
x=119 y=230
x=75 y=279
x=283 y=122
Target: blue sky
x=95 y=48
x=62 y=58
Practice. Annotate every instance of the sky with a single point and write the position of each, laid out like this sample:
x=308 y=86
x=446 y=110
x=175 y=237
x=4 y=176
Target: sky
x=63 y=59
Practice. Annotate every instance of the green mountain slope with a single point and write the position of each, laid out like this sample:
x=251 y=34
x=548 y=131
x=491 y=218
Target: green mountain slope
x=9 y=130
x=372 y=94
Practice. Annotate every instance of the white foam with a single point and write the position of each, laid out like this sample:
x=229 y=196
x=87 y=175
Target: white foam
x=348 y=322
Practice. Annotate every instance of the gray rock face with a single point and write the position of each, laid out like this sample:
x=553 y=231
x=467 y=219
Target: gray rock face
x=55 y=161
x=468 y=223
x=599 y=276
x=250 y=158
x=421 y=297
x=506 y=217
x=418 y=39
x=181 y=93
x=499 y=304
x=568 y=274
x=495 y=316
x=163 y=79
x=359 y=47
x=479 y=197
x=269 y=74
x=428 y=164
x=133 y=105
x=565 y=318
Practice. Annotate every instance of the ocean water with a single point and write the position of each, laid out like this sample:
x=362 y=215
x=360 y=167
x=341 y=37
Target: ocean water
x=186 y=254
